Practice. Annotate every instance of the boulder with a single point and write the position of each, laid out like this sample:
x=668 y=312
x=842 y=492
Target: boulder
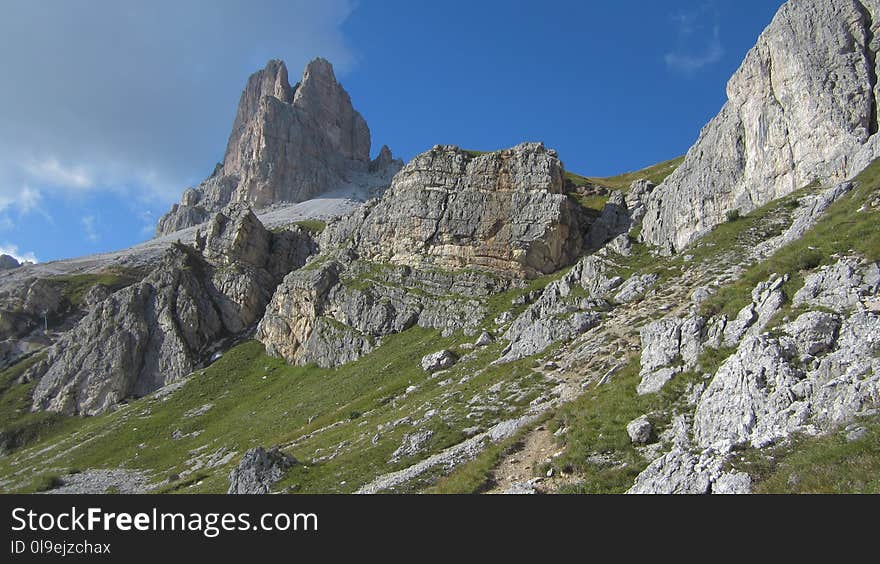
x=639 y=430
x=485 y=339
x=259 y=470
x=440 y=360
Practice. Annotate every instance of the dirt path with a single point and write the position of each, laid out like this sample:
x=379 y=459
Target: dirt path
x=594 y=357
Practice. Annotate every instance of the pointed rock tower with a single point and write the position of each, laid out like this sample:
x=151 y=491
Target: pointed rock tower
x=288 y=144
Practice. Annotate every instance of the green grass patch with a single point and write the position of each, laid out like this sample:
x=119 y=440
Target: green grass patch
x=849 y=225
x=597 y=446
x=326 y=418
x=311 y=225
x=655 y=173
x=18 y=425
x=592 y=203
x=74 y=287
x=817 y=465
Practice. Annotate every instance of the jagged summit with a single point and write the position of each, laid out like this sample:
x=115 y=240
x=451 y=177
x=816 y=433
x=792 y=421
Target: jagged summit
x=288 y=144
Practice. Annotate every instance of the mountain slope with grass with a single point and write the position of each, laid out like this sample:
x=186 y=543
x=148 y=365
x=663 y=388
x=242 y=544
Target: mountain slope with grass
x=490 y=322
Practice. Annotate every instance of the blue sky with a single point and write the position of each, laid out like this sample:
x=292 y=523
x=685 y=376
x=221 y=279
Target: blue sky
x=110 y=108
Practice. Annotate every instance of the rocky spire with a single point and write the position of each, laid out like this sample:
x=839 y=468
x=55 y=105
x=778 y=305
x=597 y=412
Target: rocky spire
x=323 y=99
x=288 y=144
x=270 y=81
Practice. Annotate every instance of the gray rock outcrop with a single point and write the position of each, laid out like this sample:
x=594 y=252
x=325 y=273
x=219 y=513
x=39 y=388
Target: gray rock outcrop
x=784 y=125
x=504 y=211
x=440 y=360
x=259 y=470
x=614 y=220
x=841 y=287
x=821 y=372
x=561 y=311
x=452 y=226
x=635 y=287
x=767 y=299
x=331 y=314
x=288 y=144
x=8 y=262
x=669 y=346
x=159 y=330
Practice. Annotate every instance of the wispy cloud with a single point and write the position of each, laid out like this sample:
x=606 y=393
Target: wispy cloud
x=23 y=199
x=148 y=116
x=88 y=225
x=11 y=249
x=698 y=40
x=50 y=171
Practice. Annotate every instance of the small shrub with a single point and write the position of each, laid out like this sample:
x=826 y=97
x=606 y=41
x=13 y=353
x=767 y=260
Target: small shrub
x=733 y=215
x=48 y=482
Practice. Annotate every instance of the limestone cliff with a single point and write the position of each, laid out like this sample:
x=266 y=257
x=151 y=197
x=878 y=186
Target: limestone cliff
x=504 y=211
x=159 y=330
x=803 y=106
x=288 y=144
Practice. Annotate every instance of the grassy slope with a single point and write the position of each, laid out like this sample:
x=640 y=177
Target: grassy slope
x=595 y=423
x=827 y=464
x=262 y=401
x=594 y=203
x=655 y=173
x=258 y=400
x=74 y=286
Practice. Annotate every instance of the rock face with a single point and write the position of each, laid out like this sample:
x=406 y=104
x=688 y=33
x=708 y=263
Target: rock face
x=448 y=217
x=504 y=211
x=288 y=144
x=785 y=123
x=561 y=311
x=668 y=347
x=812 y=374
x=161 y=329
x=259 y=470
x=841 y=287
x=334 y=313
x=8 y=262
x=767 y=298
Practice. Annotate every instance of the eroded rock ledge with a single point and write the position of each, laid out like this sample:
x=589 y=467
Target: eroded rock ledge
x=159 y=330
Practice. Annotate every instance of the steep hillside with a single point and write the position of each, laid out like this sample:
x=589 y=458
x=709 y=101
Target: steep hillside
x=488 y=322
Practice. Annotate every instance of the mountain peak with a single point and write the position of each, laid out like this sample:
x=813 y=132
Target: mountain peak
x=287 y=144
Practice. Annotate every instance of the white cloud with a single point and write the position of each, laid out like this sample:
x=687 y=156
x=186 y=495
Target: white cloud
x=88 y=225
x=23 y=199
x=50 y=171
x=698 y=44
x=147 y=91
x=12 y=250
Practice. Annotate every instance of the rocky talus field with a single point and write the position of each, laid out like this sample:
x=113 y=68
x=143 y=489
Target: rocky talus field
x=311 y=320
